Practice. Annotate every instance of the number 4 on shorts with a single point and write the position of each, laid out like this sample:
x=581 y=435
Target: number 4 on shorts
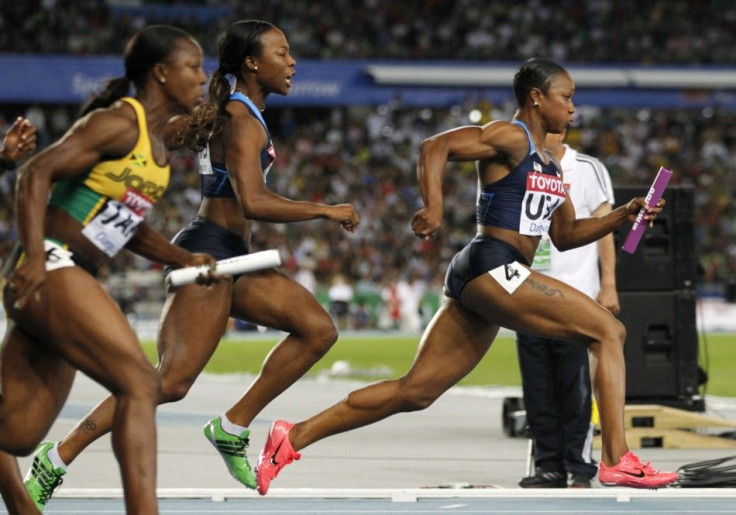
x=510 y=276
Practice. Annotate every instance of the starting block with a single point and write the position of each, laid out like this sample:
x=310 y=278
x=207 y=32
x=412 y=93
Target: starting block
x=652 y=425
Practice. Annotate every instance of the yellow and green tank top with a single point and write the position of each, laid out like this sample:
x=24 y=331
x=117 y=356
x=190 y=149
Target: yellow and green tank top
x=113 y=197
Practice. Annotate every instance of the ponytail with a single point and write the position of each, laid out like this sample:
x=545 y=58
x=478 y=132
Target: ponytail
x=209 y=117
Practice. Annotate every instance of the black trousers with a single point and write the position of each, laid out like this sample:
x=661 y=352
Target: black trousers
x=555 y=378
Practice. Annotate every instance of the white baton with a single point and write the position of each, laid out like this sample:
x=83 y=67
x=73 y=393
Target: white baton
x=231 y=266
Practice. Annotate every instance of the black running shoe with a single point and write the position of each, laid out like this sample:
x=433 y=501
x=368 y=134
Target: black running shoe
x=545 y=480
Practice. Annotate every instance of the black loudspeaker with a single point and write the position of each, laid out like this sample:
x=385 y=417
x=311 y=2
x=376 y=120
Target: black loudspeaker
x=661 y=349
x=665 y=258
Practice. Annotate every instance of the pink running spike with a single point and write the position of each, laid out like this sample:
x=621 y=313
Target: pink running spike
x=632 y=473
x=276 y=454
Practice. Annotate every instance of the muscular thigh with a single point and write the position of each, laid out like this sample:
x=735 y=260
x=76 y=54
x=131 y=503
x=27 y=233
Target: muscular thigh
x=76 y=318
x=193 y=320
x=272 y=299
x=539 y=305
x=453 y=344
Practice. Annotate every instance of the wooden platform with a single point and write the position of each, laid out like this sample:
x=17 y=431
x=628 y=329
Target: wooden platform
x=652 y=425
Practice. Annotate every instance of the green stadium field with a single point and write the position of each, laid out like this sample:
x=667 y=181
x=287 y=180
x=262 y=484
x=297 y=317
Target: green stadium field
x=373 y=356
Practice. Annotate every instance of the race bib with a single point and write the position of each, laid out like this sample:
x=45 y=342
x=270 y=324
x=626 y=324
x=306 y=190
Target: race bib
x=544 y=194
x=56 y=256
x=205 y=165
x=113 y=227
x=510 y=276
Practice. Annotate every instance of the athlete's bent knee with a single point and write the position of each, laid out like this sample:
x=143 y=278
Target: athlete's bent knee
x=617 y=331
x=612 y=337
x=145 y=385
x=415 y=398
x=20 y=436
x=20 y=444
x=173 y=391
x=322 y=335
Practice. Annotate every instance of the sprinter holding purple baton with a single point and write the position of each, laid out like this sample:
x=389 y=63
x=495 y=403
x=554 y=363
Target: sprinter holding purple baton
x=489 y=283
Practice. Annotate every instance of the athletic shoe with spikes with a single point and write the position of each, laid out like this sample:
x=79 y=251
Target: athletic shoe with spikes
x=43 y=478
x=232 y=449
x=276 y=454
x=633 y=473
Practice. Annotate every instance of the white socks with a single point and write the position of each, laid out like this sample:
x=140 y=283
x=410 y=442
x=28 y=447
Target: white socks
x=54 y=457
x=229 y=427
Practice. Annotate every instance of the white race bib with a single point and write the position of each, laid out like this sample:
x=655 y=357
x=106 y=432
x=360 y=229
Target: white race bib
x=510 y=276
x=113 y=227
x=544 y=194
x=56 y=256
x=205 y=165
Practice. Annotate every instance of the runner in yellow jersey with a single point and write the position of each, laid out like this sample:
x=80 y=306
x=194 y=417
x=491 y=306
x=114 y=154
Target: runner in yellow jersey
x=102 y=176
x=111 y=199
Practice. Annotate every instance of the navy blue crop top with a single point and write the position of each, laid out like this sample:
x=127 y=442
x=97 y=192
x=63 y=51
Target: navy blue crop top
x=215 y=181
x=524 y=200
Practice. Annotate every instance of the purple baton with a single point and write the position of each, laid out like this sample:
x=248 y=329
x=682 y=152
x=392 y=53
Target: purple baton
x=655 y=193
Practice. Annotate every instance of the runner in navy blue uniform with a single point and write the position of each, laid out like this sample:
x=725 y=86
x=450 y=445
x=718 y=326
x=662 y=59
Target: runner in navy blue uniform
x=236 y=153
x=489 y=283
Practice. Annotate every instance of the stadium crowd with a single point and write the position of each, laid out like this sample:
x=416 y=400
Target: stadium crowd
x=574 y=31
x=367 y=155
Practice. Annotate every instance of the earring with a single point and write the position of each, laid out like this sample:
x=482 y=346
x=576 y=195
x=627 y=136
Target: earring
x=536 y=105
x=162 y=80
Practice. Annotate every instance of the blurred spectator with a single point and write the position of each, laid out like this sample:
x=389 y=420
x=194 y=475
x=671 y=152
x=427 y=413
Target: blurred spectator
x=340 y=295
x=305 y=273
x=676 y=31
x=410 y=292
x=369 y=152
x=390 y=315
x=379 y=173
